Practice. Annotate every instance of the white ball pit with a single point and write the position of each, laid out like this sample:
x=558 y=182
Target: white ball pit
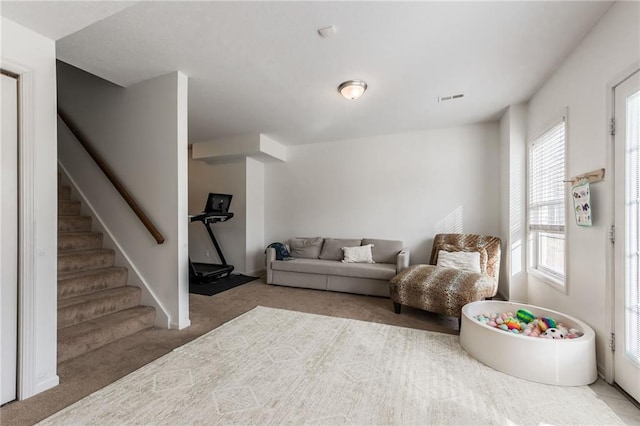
x=564 y=362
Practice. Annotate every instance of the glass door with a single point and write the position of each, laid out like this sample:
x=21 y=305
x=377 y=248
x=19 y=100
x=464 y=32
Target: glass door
x=627 y=242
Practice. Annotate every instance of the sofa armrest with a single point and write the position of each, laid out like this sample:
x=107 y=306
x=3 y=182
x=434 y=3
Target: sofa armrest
x=402 y=261
x=270 y=257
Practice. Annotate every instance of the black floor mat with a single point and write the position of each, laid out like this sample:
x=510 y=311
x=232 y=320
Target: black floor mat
x=218 y=286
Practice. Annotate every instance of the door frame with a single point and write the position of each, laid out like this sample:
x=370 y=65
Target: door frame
x=608 y=372
x=11 y=303
x=27 y=379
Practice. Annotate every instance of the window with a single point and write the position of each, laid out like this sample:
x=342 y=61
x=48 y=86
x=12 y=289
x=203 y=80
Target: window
x=547 y=204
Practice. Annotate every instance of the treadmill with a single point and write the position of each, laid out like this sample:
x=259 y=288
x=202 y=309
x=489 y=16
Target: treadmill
x=215 y=210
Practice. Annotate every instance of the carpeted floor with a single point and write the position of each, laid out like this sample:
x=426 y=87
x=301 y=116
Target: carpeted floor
x=274 y=366
x=86 y=374
x=81 y=376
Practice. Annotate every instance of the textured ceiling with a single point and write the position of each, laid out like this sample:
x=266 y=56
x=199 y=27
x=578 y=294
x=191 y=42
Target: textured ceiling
x=261 y=67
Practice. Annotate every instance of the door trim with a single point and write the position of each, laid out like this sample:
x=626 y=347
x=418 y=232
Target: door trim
x=10 y=304
x=27 y=380
x=608 y=373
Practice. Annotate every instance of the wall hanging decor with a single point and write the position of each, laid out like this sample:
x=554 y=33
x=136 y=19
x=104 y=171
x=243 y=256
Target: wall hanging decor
x=581 y=194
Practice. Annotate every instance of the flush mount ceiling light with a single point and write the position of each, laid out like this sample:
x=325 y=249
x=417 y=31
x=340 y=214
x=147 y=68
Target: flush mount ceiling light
x=352 y=89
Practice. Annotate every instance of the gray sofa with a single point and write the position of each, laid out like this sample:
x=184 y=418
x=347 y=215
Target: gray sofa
x=318 y=264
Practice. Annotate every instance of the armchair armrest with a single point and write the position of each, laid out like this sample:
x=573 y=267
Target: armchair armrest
x=270 y=257
x=402 y=261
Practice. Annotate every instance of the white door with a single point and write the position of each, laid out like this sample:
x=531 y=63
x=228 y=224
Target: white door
x=9 y=240
x=627 y=242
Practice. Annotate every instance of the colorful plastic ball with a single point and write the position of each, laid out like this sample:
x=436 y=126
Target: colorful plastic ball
x=513 y=325
x=504 y=327
x=525 y=315
x=544 y=323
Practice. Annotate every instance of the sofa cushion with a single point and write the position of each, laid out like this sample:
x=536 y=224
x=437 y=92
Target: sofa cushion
x=384 y=251
x=306 y=247
x=358 y=254
x=379 y=271
x=332 y=247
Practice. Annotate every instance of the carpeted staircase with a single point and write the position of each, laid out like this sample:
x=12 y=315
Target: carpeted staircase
x=95 y=304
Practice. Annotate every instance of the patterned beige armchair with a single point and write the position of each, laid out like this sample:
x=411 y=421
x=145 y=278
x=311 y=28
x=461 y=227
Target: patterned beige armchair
x=445 y=290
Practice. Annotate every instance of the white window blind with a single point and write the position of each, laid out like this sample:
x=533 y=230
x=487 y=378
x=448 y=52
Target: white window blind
x=546 y=175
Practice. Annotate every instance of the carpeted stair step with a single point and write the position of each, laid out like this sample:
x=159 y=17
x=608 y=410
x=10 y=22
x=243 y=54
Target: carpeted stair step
x=83 y=260
x=77 y=309
x=79 y=241
x=74 y=284
x=89 y=335
x=64 y=192
x=74 y=223
x=69 y=208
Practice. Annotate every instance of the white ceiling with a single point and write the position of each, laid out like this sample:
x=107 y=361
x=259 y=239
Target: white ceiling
x=261 y=67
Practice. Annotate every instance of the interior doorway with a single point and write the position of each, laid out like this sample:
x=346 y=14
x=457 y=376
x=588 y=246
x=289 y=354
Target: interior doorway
x=627 y=235
x=9 y=238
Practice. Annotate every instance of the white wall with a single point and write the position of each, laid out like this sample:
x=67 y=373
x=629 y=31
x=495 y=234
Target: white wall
x=33 y=57
x=406 y=186
x=582 y=84
x=226 y=177
x=141 y=133
x=513 y=285
x=255 y=245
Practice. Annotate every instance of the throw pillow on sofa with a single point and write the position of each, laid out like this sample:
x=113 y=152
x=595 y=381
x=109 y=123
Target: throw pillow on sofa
x=359 y=254
x=308 y=248
x=332 y=247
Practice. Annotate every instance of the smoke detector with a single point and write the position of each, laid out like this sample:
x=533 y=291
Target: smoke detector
x=327 y=31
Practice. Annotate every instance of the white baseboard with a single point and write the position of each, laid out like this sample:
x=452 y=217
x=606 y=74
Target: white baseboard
x=47 y=384
x=258 y=272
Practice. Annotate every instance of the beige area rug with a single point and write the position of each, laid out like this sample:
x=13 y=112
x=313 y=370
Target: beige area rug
x=272 y=366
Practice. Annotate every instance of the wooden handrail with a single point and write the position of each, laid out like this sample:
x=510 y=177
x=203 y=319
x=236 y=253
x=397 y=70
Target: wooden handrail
x=113 y=179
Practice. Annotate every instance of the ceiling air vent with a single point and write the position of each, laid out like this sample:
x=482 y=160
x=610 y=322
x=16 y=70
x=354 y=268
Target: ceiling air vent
x=450 y=97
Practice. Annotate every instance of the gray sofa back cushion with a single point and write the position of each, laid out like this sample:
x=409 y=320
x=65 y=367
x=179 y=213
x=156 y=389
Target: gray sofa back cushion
x=332 y=247
x=308 y=248
x=384 y=251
